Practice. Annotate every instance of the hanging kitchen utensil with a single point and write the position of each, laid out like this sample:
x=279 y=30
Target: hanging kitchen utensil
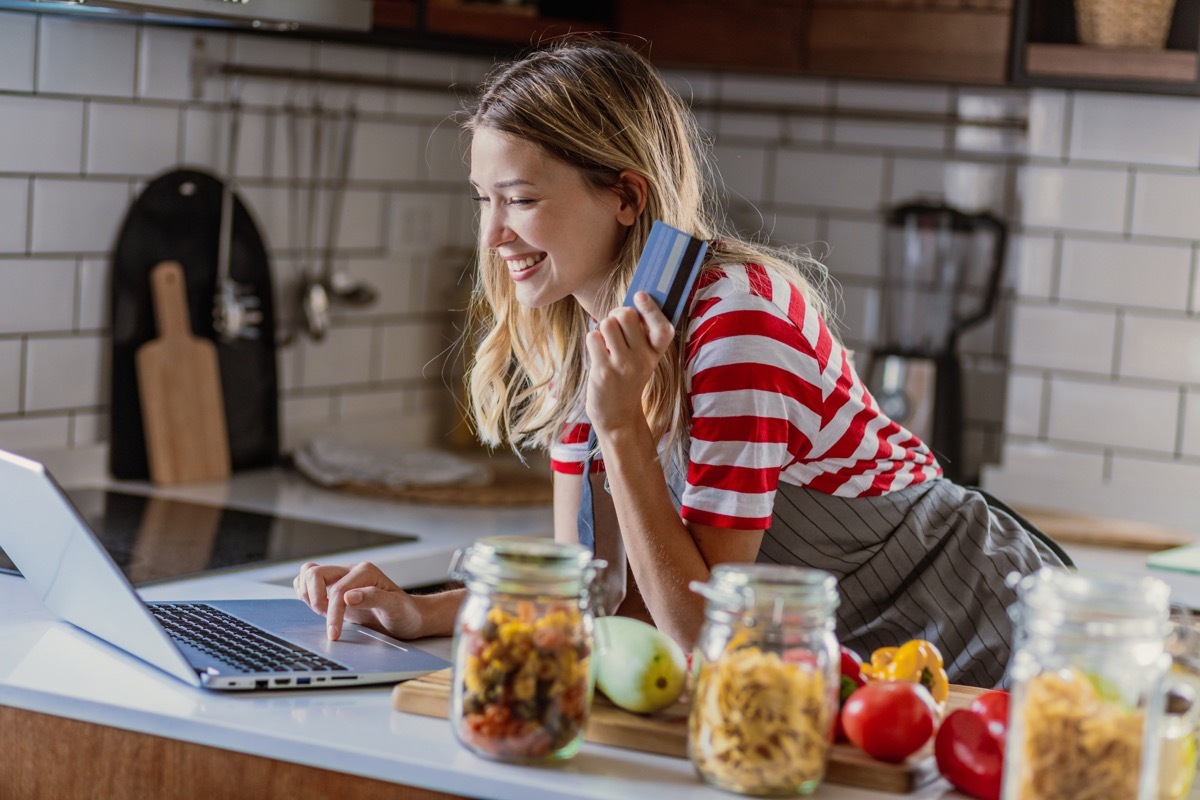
x=236 y=312
x=177 y=218
x=341 y=287
x=932 y=252
x=314 y=298
x=296 y=317
x=180 y=388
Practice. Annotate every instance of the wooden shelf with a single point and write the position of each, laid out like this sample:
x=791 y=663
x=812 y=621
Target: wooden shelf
x=1078 y=61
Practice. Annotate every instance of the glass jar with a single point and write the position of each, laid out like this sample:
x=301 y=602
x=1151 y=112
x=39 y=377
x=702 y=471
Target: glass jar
x=523 y=640
x=765 y=679
x=1087 y=675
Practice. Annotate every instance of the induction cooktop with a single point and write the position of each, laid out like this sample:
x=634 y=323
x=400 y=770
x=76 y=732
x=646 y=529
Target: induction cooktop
x=155 y=539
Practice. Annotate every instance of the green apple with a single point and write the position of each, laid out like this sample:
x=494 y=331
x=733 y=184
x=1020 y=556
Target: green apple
x=638 y=667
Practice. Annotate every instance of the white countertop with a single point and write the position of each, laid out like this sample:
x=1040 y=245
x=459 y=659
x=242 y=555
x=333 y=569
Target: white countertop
x=51 y=667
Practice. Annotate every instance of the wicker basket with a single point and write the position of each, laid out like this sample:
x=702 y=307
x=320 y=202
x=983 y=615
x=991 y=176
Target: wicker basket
x=1124 y=23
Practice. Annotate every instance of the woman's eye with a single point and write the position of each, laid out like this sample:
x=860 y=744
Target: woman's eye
x=478 y=198
x=521 y=201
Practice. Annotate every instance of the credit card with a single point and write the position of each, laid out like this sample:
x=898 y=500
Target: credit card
x=667 y=269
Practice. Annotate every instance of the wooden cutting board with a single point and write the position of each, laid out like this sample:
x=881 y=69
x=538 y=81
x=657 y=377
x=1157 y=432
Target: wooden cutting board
x=1093 y=531
x=665 y=733
x=179 y=385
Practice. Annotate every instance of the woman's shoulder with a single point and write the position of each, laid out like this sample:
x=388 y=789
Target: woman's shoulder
x=741 y=286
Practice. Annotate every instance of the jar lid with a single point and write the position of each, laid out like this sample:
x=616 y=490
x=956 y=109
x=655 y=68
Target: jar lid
x=1093 y=604
x=769 y=589
x=521 y=558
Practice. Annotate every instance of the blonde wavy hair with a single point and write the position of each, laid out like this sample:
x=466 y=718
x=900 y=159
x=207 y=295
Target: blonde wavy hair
x=598 y=106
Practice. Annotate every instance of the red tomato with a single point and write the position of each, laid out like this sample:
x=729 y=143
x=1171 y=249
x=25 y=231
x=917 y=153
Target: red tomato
x=993 y=707
x=970 y=746
x=890 y=720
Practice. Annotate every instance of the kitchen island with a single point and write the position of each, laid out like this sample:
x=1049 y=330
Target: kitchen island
x=81 y=718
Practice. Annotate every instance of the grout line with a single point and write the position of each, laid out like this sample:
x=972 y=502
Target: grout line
x=1181 y=421
x=1118 y=338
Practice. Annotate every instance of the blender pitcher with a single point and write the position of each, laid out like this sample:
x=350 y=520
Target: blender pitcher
x=942 y=270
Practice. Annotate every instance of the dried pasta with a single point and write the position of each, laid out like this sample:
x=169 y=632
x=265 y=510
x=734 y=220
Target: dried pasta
x=1077 y=745
x=759 y=724
x=525 y=682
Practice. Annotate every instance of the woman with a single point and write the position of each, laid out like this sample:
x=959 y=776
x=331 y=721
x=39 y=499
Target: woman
x=745 y=435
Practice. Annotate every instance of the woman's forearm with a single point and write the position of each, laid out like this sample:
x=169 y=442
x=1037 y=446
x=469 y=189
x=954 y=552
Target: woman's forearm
x=661 y=551
x=436 y=612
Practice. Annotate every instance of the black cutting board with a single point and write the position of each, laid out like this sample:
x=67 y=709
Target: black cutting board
x=177 y=218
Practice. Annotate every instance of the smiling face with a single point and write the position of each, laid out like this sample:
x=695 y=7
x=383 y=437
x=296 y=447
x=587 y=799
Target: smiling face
x=557 y=234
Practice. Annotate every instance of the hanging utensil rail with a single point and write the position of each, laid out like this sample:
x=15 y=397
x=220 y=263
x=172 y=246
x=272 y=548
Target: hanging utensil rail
x=204 y=68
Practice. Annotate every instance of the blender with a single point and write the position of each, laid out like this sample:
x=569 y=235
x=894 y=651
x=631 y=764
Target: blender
x=942 y=270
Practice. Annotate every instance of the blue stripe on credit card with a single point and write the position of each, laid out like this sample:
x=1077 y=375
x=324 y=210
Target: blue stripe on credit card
x=667 y=269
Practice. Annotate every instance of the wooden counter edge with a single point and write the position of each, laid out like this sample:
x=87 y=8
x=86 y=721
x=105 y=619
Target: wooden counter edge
x=54 y=757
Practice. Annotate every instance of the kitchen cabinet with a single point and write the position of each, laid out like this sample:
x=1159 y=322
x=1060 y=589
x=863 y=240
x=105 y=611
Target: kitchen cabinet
x=1046 y=51
x=953 y=41
x=395 y=14
x=957 y=41
x=761 y=35
x=481 y=26
x=519 y=24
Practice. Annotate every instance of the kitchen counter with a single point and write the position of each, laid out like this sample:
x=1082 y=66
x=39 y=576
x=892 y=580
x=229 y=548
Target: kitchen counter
x=57 y=681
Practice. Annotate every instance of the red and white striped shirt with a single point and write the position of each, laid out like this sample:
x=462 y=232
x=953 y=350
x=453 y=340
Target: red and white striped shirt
x=774 y=397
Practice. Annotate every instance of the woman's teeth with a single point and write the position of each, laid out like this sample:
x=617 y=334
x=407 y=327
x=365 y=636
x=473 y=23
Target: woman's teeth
x=524 y=263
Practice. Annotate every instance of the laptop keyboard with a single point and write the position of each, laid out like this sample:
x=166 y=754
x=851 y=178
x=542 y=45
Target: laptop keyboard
x=231 y=641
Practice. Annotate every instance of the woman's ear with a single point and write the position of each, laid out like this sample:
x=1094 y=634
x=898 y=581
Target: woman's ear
x=632 y=189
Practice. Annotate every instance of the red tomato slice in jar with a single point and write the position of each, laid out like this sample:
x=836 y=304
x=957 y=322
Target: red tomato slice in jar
x=890 y=720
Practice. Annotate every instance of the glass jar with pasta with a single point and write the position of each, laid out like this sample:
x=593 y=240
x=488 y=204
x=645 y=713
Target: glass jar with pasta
x=765 y=679
x=523 y=641
x=1087 y=676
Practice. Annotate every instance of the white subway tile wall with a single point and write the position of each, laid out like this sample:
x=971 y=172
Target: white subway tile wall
x=18 y=42
x=1106 y=350
x=1101 y=187
x=90 y=112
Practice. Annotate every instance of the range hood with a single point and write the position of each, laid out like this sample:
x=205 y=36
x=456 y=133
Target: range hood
x=347 y=15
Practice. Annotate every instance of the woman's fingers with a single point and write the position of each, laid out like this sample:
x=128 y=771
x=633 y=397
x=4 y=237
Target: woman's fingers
x=362 y=580
x=659 y=329
x=310 y=585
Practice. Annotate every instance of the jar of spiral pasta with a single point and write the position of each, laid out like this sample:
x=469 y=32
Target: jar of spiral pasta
x=523 y=642
x=1087 y=675
x=765 y=679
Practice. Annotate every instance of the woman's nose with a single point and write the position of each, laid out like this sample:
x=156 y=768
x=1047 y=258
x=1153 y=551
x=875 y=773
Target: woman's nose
x=495 y=229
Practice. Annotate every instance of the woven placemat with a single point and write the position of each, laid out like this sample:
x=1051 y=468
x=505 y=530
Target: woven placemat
x=513 y=484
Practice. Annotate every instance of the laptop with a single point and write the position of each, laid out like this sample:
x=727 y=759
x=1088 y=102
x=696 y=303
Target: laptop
x=227 y=644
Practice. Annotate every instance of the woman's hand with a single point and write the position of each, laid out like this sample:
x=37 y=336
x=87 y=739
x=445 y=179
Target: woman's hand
x=624 y=350
x=362 y=594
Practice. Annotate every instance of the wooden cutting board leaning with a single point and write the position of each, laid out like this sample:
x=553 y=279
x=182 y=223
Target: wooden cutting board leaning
x=177 y=218
x=179 y=386
x=665 y=733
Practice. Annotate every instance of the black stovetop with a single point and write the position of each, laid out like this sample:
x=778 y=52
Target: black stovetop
x=155 y=539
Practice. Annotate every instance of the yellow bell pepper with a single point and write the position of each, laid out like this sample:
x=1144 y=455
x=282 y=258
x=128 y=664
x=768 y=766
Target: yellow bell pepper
x=916 y=661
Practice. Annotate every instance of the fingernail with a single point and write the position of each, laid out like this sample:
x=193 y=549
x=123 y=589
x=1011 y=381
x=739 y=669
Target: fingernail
x=333 y=631
x=353 y=598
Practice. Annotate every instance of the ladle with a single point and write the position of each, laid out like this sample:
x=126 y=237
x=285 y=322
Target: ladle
x=314 y=297
x=341 y=287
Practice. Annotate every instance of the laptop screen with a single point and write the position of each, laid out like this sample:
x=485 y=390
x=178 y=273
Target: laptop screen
x=156 y=539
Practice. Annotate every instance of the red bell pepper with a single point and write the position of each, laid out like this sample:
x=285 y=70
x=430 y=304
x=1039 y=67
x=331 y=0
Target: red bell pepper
x=969 y=747
x=851 y=679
